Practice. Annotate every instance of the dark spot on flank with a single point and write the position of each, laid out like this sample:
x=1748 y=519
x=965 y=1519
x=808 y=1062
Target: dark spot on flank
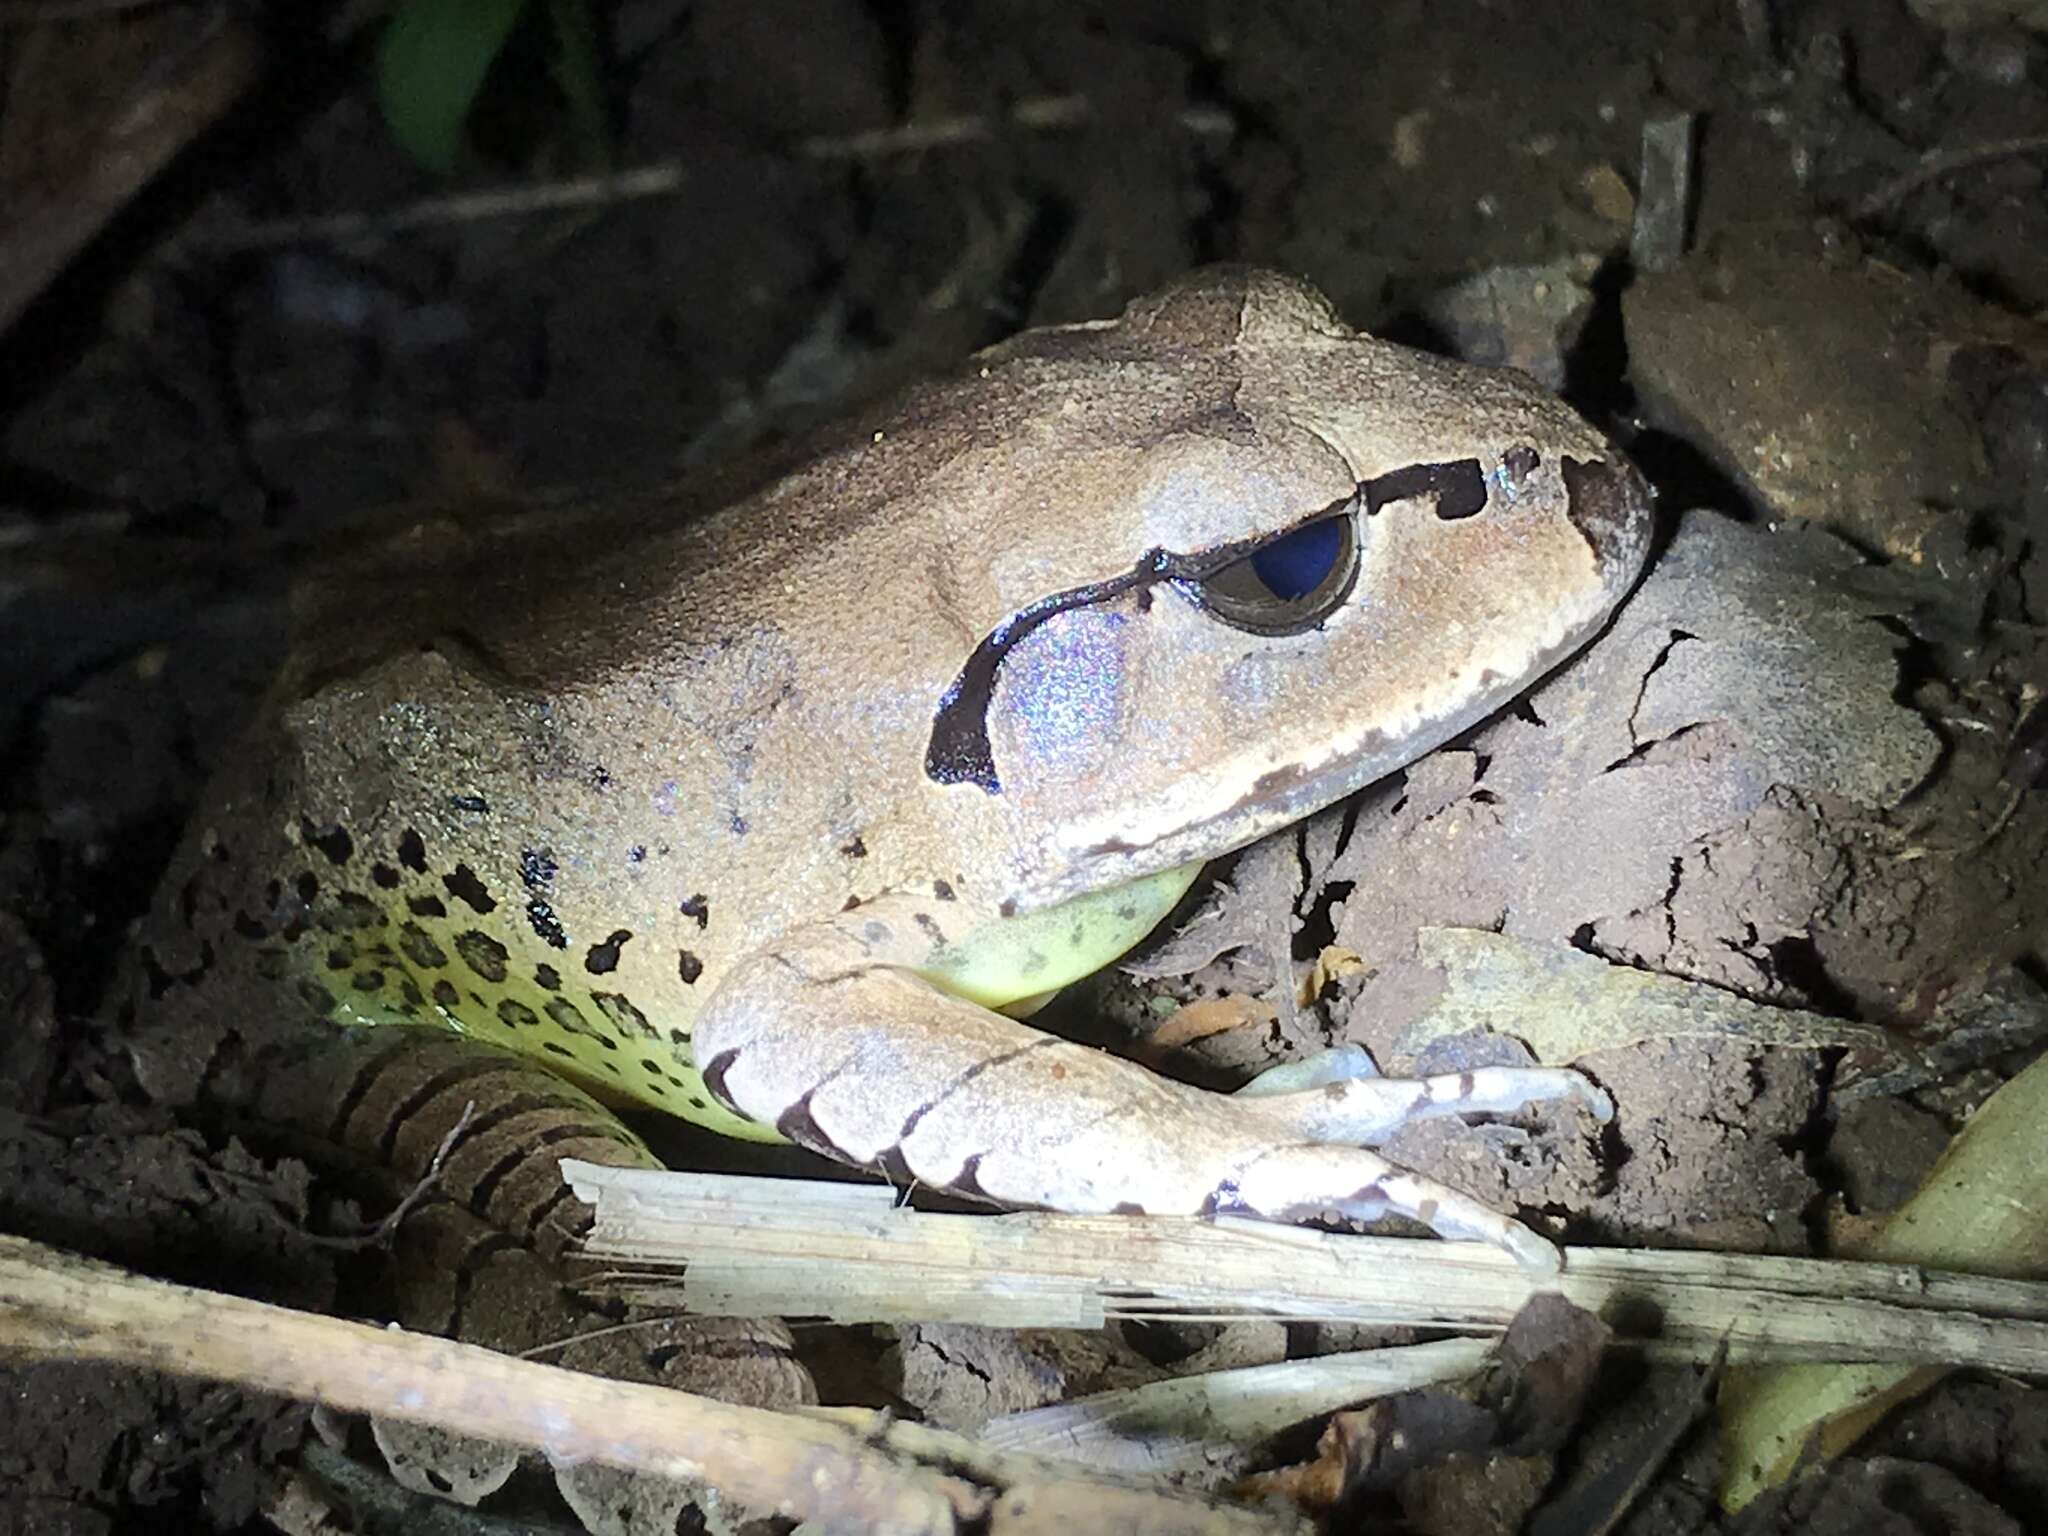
x=943 y=890
x=546 y=926
x=354 y=911
x=383 y=876
x=688 y=967
x=1034 y=962
x=445 y=993
x=851 y=903
x=367 y=981
x=657 y=1090
x=855 y=849
x=649 y=1065
x=555 y=1047
x=412 y=851
x=482 y=954
x=249 y=928
x=418 y=946
x=626 y=1019
x=316 y=997
x=1008 y=908
x=603 y=958
x=637 y=854
x=333 y=841
x=308 y=888
x=875 y=933
x=696 y=908
x=537 y=868
x=1127 y=913
x=425 y=906
x=697 y=1102
x=475 y=804
x=547 y=977
x=568 y=1017
x=929 y=926
x=409 y=990
x=514 y=1014
x=341 y=958
x=679 y=1037
x=1519 y=463
x=464 y=886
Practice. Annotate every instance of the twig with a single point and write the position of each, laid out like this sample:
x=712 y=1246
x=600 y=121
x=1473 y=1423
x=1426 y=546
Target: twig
x=849 y=1471
x=387 y=1228
x=457 y=208
x=786 y=1247
x=1946 y=163
x=1043 y=114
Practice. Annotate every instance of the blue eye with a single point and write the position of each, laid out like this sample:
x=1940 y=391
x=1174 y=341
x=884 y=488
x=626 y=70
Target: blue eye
x=1295 y=565
x=1286 y=586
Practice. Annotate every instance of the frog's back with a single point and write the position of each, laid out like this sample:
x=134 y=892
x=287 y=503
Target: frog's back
x=543 y=783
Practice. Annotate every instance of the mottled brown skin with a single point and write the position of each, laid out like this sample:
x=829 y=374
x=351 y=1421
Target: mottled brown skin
x=617 y=781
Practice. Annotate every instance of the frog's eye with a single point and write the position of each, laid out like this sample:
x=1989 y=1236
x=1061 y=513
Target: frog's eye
x=1288 y=584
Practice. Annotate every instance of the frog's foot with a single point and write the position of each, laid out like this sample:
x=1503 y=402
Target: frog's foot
x=1337 y=1097
x=854 y=1055
x=1273 y=1187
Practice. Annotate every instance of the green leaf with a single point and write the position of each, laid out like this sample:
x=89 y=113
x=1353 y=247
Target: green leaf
x=431 y=63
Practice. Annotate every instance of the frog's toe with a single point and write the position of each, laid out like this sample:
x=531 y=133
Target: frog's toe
x=1365 y=1111
x=1338 y=1065
x=1298 y=1183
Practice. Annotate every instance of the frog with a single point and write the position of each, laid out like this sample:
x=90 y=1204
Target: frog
x=784 y=816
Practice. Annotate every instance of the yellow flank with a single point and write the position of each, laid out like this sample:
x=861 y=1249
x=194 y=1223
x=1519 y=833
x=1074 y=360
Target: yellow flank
x=393 y=964
x=1021 y=960
x=385 y=962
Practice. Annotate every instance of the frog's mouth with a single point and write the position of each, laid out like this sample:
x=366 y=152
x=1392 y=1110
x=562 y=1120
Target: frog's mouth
x=1118 y=845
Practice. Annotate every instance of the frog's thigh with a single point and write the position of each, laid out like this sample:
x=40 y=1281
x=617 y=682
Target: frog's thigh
x=835 y=1040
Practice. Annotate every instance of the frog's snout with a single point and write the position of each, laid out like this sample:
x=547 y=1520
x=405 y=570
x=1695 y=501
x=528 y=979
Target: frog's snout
x=1610 y=503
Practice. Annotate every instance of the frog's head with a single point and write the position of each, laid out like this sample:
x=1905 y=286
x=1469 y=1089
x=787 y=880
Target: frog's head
x=1326 y=556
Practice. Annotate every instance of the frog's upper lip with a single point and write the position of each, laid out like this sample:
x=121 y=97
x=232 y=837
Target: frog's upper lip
x=1289 y=791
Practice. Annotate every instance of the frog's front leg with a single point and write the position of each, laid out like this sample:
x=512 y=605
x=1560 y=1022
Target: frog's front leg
x=837 y=1038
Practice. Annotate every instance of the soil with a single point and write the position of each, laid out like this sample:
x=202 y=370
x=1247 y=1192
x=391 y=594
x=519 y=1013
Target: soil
x=1812 y=747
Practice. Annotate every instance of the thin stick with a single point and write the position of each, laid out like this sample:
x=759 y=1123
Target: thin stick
x=662 y=179
x=1934 y=167
x=848 y=1472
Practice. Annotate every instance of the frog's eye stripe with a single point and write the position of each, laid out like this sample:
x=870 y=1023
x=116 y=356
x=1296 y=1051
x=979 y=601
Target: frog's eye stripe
x=1458 y=485
x=1255 y=585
